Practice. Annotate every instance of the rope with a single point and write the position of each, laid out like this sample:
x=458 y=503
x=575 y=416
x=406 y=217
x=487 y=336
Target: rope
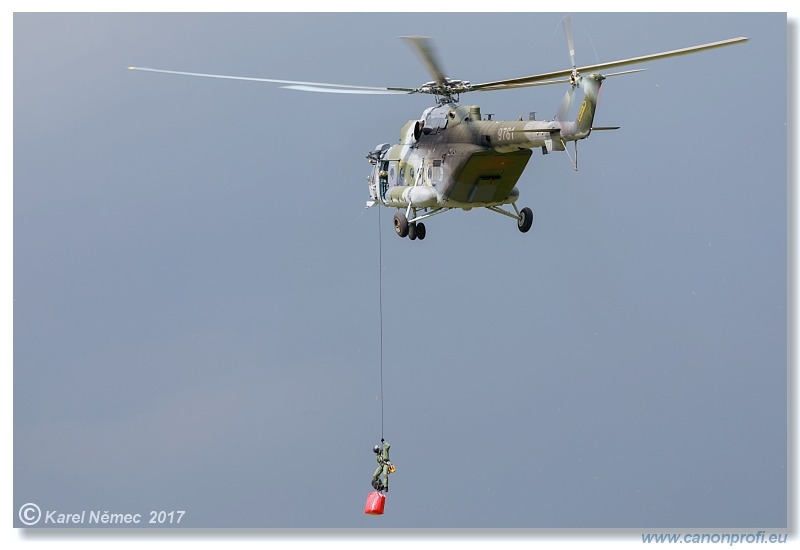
x=380 y=306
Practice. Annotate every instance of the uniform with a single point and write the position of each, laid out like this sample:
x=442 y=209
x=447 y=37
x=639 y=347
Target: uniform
x=382 y=457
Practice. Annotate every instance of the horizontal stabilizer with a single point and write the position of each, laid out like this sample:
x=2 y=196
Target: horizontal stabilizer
x=605 y=128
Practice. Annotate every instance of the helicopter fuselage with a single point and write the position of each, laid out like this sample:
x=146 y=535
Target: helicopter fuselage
x=452 y=158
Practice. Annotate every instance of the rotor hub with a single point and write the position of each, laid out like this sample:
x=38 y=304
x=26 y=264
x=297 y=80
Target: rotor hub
x=447 y=91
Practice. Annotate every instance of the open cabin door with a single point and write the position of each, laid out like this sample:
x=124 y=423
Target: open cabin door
x=388 y=176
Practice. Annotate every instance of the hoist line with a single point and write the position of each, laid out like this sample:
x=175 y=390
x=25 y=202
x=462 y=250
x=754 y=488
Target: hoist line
x=380 y=307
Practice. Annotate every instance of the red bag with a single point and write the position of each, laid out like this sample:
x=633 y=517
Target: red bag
x=375 y=503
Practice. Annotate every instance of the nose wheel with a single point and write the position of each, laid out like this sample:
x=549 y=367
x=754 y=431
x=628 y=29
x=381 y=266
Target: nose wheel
x=412 y=230
x=401 y=224
x=416 y=231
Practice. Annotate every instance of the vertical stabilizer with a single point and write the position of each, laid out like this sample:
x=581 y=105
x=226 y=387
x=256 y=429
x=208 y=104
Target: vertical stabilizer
x=591 y=87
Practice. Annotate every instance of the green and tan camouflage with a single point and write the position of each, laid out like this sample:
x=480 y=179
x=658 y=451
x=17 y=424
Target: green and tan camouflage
x=452 y=157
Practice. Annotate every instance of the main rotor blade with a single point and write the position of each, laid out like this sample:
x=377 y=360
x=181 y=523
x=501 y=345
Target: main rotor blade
x=523 y=85
x=631 y=71
x=364 y=89
x=388 y=91
x=424 y=48
x=546 y=82
x=515 y=82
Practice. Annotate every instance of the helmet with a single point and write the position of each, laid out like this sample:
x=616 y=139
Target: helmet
x=376 y=449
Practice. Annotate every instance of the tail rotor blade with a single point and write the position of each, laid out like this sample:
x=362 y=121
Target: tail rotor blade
x=564 y=109
x=566 y=105
x=567 y=22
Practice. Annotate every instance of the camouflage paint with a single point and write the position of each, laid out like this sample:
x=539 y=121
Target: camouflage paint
x=451 y=158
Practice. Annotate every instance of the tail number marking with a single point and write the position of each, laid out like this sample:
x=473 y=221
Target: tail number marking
x=504 y=133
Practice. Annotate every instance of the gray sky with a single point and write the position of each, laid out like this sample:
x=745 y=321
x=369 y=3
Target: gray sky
x=196 y=279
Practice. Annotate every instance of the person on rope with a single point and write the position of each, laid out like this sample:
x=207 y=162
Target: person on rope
x=385 y=467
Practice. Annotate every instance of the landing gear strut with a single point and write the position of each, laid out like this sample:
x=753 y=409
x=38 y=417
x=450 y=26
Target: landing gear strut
x=416 y=229
x=524 y=217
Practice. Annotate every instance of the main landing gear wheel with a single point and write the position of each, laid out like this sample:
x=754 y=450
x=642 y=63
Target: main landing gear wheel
x=400 y=224
x=525 y=220
x=420 y=230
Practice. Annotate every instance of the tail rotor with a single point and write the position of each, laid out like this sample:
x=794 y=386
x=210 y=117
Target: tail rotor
x=567 y=24
x=565 y=107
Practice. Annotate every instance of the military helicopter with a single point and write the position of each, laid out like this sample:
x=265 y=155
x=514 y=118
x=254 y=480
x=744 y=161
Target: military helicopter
x=452 y=157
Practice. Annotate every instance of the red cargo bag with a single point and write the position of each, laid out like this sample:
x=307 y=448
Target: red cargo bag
x=375 y=503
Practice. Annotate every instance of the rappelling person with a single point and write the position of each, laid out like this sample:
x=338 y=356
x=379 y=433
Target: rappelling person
x=380 y=478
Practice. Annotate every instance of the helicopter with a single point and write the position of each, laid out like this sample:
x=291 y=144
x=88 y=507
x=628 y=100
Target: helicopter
x=454 y=158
